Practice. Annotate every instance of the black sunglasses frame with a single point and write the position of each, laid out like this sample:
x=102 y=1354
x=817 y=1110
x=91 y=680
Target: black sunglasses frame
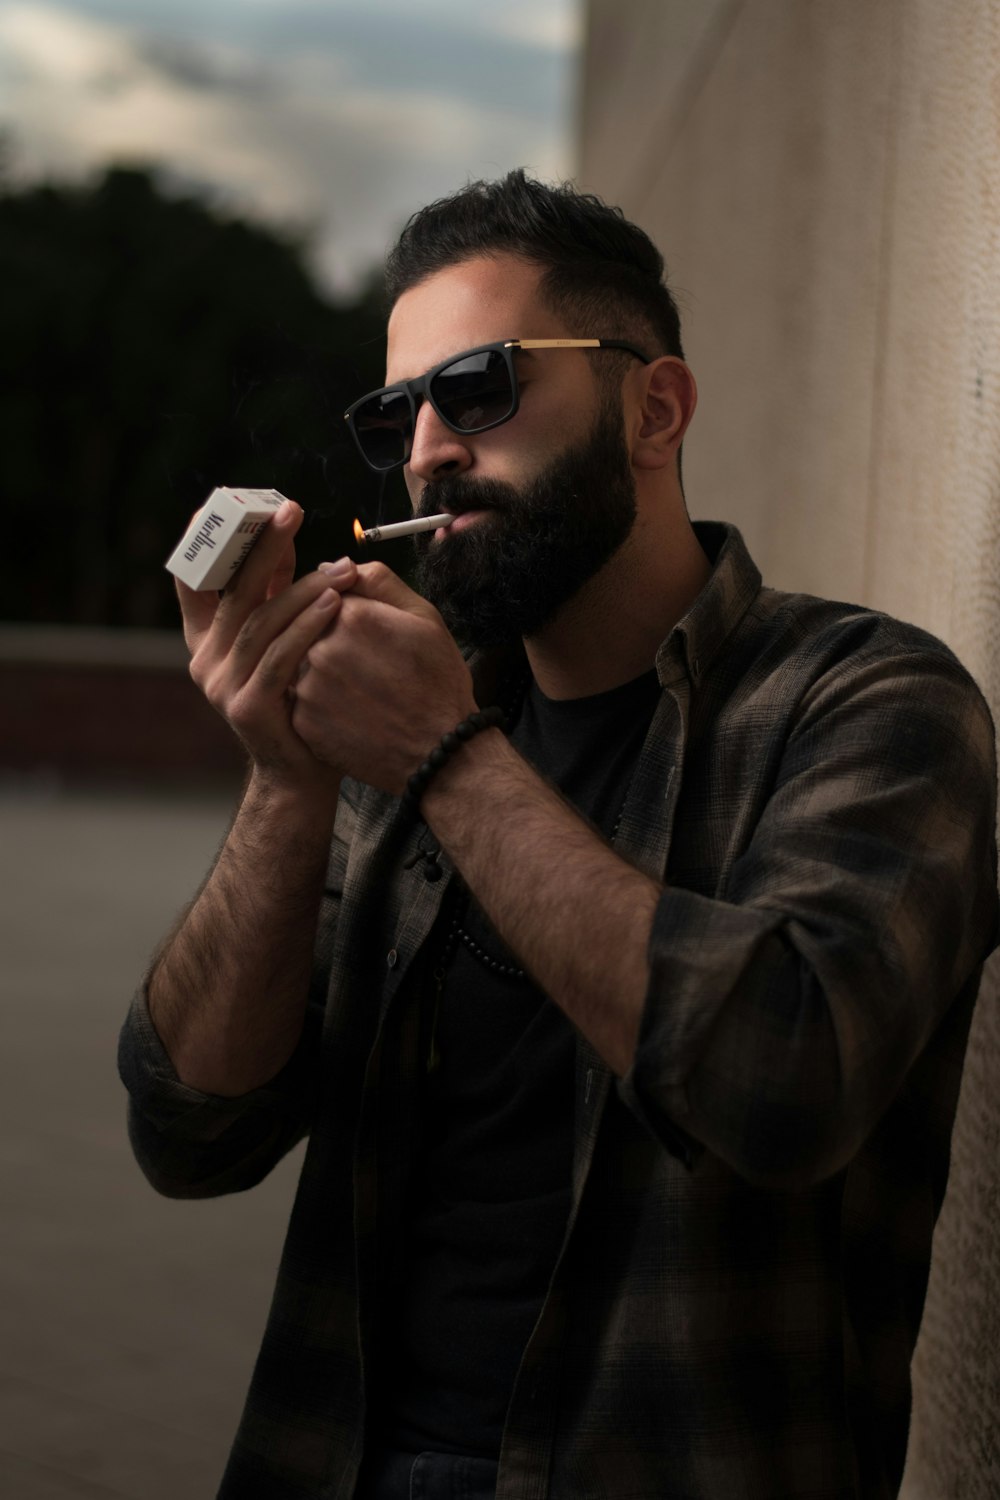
x=421 y=389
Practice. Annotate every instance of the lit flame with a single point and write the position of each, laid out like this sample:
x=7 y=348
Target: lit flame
x=359 y=531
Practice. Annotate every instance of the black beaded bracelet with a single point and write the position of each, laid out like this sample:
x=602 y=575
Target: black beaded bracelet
x=416 y=786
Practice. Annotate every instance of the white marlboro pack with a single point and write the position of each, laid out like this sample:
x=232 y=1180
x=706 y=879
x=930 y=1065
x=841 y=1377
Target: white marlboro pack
x=221 y=535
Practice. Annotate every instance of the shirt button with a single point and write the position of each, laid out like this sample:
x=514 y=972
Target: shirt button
x=392 y=958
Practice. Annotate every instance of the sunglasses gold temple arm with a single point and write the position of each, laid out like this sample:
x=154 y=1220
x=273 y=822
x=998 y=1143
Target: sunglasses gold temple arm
x=553 y=344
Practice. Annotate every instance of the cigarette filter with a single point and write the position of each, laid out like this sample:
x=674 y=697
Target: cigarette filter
x=221 y=535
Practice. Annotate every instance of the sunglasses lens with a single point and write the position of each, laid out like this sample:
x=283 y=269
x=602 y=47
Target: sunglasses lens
x=384 y=428
x=474 y=392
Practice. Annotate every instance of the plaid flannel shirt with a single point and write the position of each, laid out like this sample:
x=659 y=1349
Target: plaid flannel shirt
x=736 y=1300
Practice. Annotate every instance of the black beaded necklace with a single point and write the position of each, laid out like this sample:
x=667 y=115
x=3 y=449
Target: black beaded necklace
x=432 y=872
x=430 y=852
x=460 y=899
x=456 y=931
x=458 y=934
x=455 y=936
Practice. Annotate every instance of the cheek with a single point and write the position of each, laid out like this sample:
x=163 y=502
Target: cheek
x=414 y=486
x=514 y=452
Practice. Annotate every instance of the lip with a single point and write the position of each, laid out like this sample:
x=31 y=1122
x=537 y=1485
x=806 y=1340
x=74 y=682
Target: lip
x=464 y=519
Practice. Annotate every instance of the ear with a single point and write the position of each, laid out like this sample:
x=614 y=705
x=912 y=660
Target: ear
x=666 y=397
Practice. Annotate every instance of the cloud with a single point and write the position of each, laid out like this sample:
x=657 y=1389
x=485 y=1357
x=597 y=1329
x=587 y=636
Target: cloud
x=55 y=47
x=203 y=67
x=348 y=137
x=539 y=25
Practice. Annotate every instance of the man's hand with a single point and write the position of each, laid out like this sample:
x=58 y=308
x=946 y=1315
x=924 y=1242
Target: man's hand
x=381 y=687
x=247 y=646
x=383 y=684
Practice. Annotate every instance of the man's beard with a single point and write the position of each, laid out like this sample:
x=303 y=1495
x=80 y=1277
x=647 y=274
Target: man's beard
x=510 y=574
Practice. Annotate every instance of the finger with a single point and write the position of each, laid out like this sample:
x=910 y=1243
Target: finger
x=222 y=669
x=342 y=574
x=270 y=620
x=198 y=610
x=279 y=666
x=273 y=554
x=284 y=571
x=376 y=581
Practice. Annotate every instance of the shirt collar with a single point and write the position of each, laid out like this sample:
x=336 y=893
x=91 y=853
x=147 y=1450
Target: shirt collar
x=693 y=643
x=733 y=585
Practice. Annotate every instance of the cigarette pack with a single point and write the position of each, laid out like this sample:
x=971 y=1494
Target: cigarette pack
x=221 y=535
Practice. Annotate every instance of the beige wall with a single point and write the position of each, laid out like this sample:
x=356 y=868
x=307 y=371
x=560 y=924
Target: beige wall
x=823 y=177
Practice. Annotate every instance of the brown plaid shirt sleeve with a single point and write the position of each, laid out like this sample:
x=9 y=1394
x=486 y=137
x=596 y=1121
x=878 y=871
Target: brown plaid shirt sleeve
x=741 y=1282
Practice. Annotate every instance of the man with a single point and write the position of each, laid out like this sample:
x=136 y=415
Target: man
x=628 y=1040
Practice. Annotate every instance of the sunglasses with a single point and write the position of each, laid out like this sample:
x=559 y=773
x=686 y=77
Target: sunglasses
x=471 y=392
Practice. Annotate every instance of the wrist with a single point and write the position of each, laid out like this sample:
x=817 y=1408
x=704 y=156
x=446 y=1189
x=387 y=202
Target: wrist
x=478 y=764
x=310 y=799
x=452 y=743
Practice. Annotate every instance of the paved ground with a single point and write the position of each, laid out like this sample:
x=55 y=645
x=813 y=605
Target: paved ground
x=128 y=1324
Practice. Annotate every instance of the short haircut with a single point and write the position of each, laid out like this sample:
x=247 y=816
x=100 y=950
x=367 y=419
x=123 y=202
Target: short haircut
x=601 y=274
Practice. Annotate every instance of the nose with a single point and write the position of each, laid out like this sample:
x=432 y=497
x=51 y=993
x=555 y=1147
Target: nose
x=436 y=450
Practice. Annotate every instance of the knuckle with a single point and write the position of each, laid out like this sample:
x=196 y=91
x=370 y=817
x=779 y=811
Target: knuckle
x=273 y=675
x=242 y=711
x=245 y=635
x=267 y=677
x=216 y=696
x=336 y=638
x=199 y=670
x=318 y=656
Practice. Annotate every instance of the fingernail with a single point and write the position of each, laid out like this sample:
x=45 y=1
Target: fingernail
x=338 y=569
x=326 y=600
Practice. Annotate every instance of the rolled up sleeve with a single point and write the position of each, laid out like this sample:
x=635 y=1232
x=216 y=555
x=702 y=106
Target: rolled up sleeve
x=195 y=1145
x=783 y=1015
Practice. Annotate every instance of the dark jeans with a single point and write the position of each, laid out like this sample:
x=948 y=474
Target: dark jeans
x=391 y=1475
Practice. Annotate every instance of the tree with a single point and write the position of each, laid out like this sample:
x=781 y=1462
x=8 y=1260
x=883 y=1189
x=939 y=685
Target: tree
x=153 y=348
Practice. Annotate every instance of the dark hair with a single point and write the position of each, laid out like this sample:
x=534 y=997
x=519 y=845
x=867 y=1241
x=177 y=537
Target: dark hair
x=600 y=273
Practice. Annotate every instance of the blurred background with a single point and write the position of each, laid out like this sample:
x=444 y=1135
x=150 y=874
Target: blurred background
x=194 y=201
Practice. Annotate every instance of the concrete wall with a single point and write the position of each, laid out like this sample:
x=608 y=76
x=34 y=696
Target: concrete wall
x=824 y=180
x=110 y=708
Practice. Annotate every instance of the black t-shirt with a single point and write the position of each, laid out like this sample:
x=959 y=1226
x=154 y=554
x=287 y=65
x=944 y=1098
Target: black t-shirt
x=491 y=1194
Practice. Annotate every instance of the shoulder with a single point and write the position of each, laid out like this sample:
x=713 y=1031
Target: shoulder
x=825 y=641
x=758 y=639
x=803 y=679
x=880 y=698
x=821 y=627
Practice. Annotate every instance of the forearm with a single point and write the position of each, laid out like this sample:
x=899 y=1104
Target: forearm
x=227 y=993
x=576 y=914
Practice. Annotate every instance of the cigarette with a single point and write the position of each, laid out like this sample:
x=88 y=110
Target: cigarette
x=400 y=528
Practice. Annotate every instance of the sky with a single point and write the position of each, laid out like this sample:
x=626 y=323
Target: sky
x=338 y=116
